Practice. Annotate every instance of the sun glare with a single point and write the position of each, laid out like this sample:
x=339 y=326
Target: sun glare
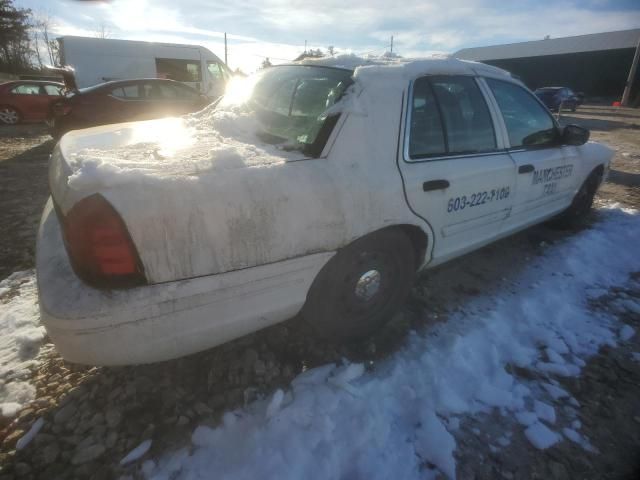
x=239 y=90
x=170 y=134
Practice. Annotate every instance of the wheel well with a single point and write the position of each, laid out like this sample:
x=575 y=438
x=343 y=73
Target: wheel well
x=598 y=171
x=3 y=105
x=416 y=235
x=419 y=240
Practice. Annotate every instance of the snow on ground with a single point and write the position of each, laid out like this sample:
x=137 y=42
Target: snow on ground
x=20 y=338
x=399 y=419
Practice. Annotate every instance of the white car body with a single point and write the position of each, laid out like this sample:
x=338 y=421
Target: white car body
x=237 y=249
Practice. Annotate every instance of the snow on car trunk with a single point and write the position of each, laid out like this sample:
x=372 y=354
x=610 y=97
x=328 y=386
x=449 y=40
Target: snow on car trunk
x=167 y=149
x=21 y=336
x=400 y=419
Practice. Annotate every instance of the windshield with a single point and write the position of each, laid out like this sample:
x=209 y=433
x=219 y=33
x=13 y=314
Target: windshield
x=290 y=102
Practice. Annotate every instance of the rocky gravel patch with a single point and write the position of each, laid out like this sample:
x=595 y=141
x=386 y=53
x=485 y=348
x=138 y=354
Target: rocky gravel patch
x=93 y=417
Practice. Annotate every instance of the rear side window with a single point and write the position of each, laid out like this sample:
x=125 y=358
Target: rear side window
x=26 y=89
x=528 y=123
x=467 y=120
x=180 y=70
x=426 y=137
x=129 y=92
x=449 y=116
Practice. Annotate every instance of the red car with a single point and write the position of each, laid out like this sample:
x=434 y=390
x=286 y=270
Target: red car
x=27 y=100
x=122 y=101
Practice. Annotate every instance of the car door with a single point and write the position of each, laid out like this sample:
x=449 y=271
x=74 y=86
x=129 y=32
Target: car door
x=162 y=99
x=457 y=175
x=31 y=100
x=179 y=99
x=544 y=177
x=128 y=103
x=53 y=93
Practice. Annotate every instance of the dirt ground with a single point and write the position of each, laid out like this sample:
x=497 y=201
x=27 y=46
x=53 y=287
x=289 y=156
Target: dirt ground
x=123 y=406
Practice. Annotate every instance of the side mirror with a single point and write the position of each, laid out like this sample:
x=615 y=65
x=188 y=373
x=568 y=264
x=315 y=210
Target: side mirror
x=574 y=135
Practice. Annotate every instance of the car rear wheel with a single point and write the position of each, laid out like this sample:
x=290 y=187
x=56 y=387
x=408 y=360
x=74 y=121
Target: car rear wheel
x=362 y=286
x=9 y=115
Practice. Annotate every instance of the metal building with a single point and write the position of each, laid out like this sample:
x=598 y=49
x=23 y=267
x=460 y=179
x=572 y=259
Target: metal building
x=596 y=64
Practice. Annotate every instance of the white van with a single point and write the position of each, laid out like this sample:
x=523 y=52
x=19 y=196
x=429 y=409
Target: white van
x=98 y=60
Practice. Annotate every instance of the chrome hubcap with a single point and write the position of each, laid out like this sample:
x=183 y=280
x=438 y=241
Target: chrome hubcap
x=8 y=115
x=368 y=285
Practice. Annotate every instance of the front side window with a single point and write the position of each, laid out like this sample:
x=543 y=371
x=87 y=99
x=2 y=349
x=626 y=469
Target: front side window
x=528 y=123
x=216 y=71
x=185 y=92
x=449 y=116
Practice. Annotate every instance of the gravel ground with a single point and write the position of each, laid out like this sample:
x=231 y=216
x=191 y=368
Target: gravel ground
x=95 y=416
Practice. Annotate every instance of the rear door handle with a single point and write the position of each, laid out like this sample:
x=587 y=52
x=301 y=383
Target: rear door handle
x=435 y=185
x=528 y=168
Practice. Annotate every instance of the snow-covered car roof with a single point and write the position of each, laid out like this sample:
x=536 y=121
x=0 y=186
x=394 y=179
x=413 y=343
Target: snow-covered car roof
x=400 y=69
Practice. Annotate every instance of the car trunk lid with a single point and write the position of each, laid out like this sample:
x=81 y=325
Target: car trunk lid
x=68 y=75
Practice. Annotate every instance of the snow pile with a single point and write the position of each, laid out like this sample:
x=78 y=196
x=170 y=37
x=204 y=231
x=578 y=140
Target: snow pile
x=211 y=140
x=20 y=339
x=398 y=421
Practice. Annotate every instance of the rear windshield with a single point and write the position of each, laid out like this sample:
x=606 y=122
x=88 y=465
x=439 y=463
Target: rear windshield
x=290 y=102
x=546 y=92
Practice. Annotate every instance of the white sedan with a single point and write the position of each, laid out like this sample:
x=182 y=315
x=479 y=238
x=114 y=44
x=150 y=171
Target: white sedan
x=320 y=188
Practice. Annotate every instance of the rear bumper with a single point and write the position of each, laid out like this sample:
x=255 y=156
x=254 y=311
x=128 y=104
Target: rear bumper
x=163 y=321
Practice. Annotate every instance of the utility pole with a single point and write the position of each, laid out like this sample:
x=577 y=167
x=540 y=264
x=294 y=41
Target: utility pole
x=225 y=49
x=391 y=43
x=632 y=75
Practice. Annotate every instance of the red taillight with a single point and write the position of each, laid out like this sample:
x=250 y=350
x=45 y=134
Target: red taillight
x=99 y=245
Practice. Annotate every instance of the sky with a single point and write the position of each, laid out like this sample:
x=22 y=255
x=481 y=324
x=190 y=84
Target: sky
x=278 y=29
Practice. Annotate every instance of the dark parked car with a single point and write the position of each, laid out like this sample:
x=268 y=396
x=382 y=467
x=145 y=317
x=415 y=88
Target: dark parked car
x=556 y=97
x=122 y=101
x=27 y=100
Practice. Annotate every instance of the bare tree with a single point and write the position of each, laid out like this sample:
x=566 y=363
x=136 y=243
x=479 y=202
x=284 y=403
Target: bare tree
x=43 y=24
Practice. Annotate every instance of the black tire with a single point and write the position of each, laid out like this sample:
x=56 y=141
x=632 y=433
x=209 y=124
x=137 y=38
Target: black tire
x=341 y=307
x=576 y=215
x=56 y=133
